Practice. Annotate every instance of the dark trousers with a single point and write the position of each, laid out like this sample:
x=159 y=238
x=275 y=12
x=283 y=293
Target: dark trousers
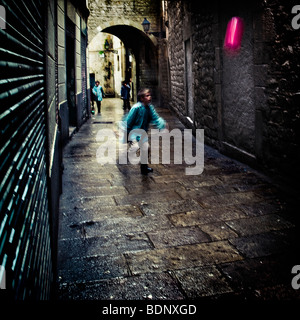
x=126 y=104
x=98 y=105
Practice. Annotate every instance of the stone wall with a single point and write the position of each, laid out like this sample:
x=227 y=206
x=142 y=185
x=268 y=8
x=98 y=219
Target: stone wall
x=106 y=13
x=248 y=103
x=205 y=70
x=164 y=73
x=281 y=117
x=238 y=81
x=190 y=22
x=176 y=56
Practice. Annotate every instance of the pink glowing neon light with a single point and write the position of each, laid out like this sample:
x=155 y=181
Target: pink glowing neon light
x=234 y=34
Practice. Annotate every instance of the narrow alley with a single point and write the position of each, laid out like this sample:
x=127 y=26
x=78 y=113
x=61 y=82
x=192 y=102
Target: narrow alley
x=225 y=234
x=77 y=227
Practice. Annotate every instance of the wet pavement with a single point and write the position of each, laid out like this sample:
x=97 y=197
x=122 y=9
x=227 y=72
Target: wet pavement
x=226 y=234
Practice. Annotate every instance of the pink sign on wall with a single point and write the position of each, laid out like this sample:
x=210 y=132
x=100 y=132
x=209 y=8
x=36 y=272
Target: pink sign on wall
x=234 y=34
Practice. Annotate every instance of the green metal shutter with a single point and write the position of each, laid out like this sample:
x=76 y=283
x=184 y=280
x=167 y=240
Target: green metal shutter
x=24 y=214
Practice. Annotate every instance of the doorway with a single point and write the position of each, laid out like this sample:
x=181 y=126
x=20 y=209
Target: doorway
x=238 y=103
x=70 y=65
x=189 y=96
x=135 y=58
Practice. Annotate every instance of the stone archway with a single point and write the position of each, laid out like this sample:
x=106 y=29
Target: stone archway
x=143 y=49
x=123 y=19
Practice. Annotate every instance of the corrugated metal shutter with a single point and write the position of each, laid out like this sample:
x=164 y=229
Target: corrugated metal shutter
x=24 y=215
x=83 y=77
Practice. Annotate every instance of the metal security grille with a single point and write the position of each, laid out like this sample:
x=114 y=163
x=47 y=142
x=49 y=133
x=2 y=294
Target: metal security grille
x=25 y=251
x=83 y=77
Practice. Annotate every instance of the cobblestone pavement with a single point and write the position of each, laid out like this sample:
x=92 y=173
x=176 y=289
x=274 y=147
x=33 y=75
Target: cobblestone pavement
x=228 y=233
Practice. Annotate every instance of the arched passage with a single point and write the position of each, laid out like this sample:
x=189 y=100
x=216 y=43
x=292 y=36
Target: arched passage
x=138 y=44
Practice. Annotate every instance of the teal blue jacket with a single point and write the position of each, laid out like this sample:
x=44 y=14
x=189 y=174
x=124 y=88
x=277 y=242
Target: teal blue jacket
x=98 y=92
x=140 y=117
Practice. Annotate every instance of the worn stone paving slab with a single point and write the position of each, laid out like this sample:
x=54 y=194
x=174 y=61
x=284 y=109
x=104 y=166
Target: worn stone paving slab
x=89 y=166
x=240 y=182
x=198 y=181
x=80 y=152
x=167 y=170
x=181 y=257
x=264 y=244
x=85 y=151
x=261 y=208
x=93 y=268
x=169 y=207
x=75 y=182
x=204 y=216
x=118 y=226
x=198 y=194
x=152 y=187
x=129 y=226
x=153 y=286
x=230 y=199
x=260 y=224
x=73 y=217
x=177 y=236
x=147 y=198
x=102 y=245
x=131 y=180
x=236 y=187
x=93 y=191
x=282 y=293
x=150 y=223
x=213 y=170
x=264 y=278
x=218 y=231
x=254 y=273
x=170 y=178
x=202 y=282
x=128 y=170
x=91 y=202
x=247 y=178
x=74 y=178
